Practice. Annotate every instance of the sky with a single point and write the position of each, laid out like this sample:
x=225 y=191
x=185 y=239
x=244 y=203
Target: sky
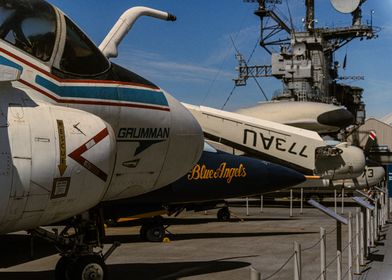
x=193 y=58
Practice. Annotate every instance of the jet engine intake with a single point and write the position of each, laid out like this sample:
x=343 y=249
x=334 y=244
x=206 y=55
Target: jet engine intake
x=55 y=162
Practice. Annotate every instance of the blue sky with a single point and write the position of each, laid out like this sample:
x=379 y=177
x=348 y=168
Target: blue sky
x=193 y=58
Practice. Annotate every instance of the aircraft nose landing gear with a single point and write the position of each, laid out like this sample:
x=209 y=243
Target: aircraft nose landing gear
x=78 y=243
x=223 y=214
x=89 y=267
x=153 y=230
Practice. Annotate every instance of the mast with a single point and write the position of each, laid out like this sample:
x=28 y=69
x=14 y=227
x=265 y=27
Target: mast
x=309 y=15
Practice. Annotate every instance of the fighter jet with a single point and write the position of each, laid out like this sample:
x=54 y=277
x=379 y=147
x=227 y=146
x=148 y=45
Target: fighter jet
x=372 y=175
x=300 y=149
x=76 y=129
x=216 y=176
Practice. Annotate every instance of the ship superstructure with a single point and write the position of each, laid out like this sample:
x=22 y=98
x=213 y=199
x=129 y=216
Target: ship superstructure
x=305 y=61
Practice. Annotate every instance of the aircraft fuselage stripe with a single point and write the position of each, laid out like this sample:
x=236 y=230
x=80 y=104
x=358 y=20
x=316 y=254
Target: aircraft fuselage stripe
x=106 y=93
x=10 y=63
x=92 y=92
x=93 y=102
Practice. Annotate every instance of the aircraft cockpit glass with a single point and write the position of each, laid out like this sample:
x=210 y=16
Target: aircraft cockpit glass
x=81 y=56
x=29 y=26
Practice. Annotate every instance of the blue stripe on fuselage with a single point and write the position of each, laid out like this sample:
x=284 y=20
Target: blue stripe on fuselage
x=105 y=93
x=7 y=62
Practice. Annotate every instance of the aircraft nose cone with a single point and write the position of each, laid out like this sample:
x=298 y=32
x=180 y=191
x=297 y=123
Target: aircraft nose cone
x=186 y=143
x=340 y=118
x=283 y=177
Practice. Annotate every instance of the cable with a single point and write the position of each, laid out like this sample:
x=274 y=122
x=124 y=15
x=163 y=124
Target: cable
x=277 y=271
x=250 y=57
x=246 y=64
x=213 y=82
x=228 y=98
x=311 y=247
x=291 y=21
x=331 y=262
x=328 y=232
x=345 y=247
x=345 y=274
x=261 y=89
x=280 y=13
x=321 y=273
x=254 y=49
x=223 y=62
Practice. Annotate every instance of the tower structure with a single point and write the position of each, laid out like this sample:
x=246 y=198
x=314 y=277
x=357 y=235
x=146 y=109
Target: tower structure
x=305 y=60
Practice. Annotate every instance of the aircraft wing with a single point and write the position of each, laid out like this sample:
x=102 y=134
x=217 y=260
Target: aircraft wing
x=275 y=142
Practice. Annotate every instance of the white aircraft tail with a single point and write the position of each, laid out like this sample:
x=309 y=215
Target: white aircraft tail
x=273 y=141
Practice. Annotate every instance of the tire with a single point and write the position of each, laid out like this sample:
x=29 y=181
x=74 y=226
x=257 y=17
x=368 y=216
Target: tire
x=223 y=214
x=156 y=221
x=61 y=271
x=155 y=233
x=90 y=267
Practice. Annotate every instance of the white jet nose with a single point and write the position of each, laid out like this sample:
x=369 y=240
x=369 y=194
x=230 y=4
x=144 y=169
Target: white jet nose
x=349 y=164
x=357 y=160
x=354 y=159
x=186 y=143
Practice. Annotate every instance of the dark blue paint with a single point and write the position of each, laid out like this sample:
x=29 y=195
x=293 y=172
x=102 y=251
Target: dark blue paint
x=261 y=177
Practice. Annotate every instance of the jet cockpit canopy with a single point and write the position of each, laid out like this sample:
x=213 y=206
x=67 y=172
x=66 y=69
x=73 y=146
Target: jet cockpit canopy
x=29 y=26
x=35 y=27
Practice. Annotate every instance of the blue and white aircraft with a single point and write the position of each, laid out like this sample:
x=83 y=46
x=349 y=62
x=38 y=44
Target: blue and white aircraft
x=217 y=176
x=77 y=129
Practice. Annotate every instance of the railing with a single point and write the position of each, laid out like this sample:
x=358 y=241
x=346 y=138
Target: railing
x=358 y=246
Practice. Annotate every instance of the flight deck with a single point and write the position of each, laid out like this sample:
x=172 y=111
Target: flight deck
x=200 y=247
x=94 y=157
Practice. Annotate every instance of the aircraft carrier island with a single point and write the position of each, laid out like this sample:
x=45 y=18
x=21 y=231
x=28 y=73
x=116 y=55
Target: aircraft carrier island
x=106 y=175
